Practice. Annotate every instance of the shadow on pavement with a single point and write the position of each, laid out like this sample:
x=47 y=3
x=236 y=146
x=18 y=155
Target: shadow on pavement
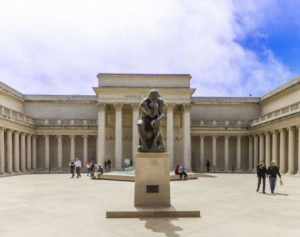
x=162 y=225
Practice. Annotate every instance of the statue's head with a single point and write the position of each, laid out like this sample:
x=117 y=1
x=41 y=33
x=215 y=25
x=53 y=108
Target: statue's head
x=154 y=95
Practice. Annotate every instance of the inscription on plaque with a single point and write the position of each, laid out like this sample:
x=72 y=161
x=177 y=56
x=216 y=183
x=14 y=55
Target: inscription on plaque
x=152 y=189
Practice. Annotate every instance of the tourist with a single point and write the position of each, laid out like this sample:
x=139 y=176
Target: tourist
x=182 y=172
x=93 y=170
x=273 y=171
x=78 y=167
x=108 y=165
x=177 y=172
x=105 y=165
x=261 y=172
x=207 y=165
x=88 y=168
x=72 y=167
x=99 y=172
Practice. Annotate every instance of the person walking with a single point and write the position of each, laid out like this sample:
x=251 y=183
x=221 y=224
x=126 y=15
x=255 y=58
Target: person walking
x=207 y=165
x=77 y=167
x=261 y=171
x=72 y=167
x=88 y=168
x=273 y=171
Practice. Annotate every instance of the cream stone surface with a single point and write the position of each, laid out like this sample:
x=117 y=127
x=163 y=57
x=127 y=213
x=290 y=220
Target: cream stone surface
x=196 y=129
x=152 y=169
x=55 y=205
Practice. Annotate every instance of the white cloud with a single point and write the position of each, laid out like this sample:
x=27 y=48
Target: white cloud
x=58 y=47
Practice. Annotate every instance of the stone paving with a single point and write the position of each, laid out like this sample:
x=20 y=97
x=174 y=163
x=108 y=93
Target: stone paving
x=55 y=205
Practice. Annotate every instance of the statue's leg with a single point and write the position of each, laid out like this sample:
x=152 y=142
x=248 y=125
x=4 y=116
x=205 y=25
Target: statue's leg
x=142 y=136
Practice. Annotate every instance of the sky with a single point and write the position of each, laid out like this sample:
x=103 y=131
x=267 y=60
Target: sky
x=230 y=47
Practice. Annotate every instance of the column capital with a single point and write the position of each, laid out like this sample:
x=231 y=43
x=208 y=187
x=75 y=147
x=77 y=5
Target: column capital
x=186 y=106
x=58 y=136
x=202 y=136
x=290 y=128
x=170 y=105
x=118 y=105
x=101 y=105
x=227 y=136
x=72 y=136
x=214 y=136
x=45 y=135
x=274 y=132
x=15 y=132
x=134 y=105
x=85 y=136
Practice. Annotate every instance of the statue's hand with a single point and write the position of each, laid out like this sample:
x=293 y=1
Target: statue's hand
x=154 y=123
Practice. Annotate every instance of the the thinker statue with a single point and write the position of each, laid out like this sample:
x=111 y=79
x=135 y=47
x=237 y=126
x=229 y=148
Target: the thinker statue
x=152 y=113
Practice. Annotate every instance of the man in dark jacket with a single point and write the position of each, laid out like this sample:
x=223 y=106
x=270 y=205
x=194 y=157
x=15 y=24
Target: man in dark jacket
x=273 y=171
x=261 y=171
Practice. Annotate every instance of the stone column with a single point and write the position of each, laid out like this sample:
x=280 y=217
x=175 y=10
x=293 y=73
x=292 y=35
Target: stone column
x=47 y=154
x=28 y=157
x=72 y=146
x=135 y=133
x=261 y=147
x=255 y=157
x=9 y=151
x=118 y=137
x=274 y=146
x=226 y=153
x=238 y=154
x=282 y=151
x=268 y=149
x=251 y=154
x=214 y=151
x=170 y=133
x=101 y=134
x=2 y=151
x=23 y=153
x=291 y=158
x=298 y=151
x=33 y=152
x=85 y=149
x=59 y=152
x=187 y=135
x=202 y=162
x=16 y=152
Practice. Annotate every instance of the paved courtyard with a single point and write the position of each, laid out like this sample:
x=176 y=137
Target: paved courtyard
x=55 y=205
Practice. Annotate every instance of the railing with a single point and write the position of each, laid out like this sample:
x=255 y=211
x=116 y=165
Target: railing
x=279 y=113
x=220 y=123
x=16 y=116
x=65 y=122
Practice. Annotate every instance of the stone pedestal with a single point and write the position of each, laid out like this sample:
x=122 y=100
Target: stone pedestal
x=152 y=180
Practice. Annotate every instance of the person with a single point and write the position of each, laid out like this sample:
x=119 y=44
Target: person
x=93 y=171
x=88 y=168
x=207 y=165
x=108 y=165
x=273 y=171
x=105 y=165
x=99 y=172
x=261 y=172
x=177 y=172
x=182 y=172
x=77 y=164
x=72 y=167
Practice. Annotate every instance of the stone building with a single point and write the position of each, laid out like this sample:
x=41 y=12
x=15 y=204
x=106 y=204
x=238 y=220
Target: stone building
x=42 y=132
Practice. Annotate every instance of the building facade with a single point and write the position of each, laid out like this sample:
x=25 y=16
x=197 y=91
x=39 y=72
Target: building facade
x=42 y=132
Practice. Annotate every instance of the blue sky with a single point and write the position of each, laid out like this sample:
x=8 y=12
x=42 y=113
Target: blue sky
x=230 y=47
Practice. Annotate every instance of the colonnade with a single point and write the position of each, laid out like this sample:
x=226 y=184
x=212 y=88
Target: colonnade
x=226 y=157
x=286 y=154
x=17 y=151
x=135 y=137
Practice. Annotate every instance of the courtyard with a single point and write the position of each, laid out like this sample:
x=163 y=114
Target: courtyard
x=55 y=205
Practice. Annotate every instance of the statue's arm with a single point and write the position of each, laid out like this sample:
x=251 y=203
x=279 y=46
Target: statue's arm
x=161 y=110
x=144 y=108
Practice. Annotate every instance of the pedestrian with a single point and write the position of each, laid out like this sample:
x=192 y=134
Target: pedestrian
x=72 y=167
x=105 y=165
x=88 y=168
x=177 y=172
x=77 y=167
x=207 y=165
x=108 y=165
x=273 y=171
x=182 y=172
x=261 y=172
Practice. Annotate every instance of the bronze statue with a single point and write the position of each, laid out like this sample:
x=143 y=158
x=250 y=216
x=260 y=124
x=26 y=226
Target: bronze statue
x=151 y=108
